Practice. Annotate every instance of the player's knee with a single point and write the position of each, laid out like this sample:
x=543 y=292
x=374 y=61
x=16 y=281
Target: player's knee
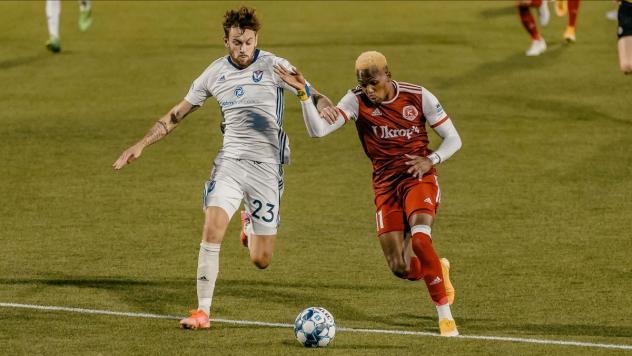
x=399 y=269
x=261 y=260
x=261 y=264
x=212 y=234
x=626 y=68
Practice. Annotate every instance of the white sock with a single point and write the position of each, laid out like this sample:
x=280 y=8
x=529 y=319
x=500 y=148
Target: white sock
x=84 y=5
x=444 y=312
x=53 y=9
x=208 y=268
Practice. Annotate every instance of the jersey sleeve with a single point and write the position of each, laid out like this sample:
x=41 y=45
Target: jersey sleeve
x=433 y=111
x=349 y=106
x=287 y=65
x=200 y=89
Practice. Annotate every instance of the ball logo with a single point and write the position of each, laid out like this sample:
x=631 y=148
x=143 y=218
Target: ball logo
x=410 y=112
x=257 y=76
x=239 y=92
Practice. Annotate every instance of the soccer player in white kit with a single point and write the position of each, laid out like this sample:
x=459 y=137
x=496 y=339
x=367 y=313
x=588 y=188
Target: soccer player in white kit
x=249 y=165
x=53 y=9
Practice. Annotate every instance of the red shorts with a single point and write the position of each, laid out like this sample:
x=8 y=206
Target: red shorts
x=410 y=196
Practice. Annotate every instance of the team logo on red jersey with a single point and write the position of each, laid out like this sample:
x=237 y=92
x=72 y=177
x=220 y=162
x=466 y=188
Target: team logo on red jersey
x=387 y=132
x=410 y=112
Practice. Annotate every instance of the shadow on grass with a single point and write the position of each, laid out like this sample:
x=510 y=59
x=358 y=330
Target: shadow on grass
x=293 y=343
x=501 y=68
x=21 y=61
x=499 y=12
x=495 y=327
x=151 y=293
x=157 y=294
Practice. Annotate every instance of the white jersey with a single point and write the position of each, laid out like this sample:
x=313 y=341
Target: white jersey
x=252 y=104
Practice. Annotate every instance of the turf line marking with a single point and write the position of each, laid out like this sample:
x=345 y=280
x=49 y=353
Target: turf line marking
x=283 y=325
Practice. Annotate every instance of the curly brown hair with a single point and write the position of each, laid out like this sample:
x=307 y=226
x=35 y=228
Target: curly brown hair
x=245 y=18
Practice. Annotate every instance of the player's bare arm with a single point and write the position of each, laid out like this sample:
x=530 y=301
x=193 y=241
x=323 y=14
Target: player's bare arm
x=161 y=128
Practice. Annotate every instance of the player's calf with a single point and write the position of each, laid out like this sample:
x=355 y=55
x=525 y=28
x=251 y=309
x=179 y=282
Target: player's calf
x=261 y=249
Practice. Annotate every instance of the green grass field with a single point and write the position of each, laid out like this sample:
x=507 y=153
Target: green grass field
x=536 y=212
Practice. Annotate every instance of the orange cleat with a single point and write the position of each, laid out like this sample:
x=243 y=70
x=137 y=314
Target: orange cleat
x=449 y=288
x=197 y=320
x=245 y=221
x=447 y=327
x=569 y=35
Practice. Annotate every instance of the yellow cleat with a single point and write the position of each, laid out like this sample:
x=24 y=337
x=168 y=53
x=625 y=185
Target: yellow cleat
x=561 y=8
x=448 y=328
x=569 y=35
x=449 y=288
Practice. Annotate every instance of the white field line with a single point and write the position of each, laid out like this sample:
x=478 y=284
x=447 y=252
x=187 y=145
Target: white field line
x=283 y=325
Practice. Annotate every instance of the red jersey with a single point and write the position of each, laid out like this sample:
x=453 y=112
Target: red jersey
x=393 y=128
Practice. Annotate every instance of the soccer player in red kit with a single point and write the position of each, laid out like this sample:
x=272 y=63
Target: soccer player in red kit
x=391 y=119
x=538 y=45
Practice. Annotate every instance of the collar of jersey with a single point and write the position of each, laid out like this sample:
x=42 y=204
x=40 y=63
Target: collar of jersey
x=396 y=94
x=254 y=59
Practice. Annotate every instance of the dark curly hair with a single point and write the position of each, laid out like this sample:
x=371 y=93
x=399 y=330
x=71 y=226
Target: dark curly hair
x=245 y=18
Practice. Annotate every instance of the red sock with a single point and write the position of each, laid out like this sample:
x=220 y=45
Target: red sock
x=415 y=272
x=573 y=8
x=422 y=245
x=528 y=22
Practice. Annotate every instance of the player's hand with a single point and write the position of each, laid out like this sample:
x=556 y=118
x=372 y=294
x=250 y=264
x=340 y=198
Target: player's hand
x=418 y=165
x=330 y=114
x=294 y=77
x=128 y=156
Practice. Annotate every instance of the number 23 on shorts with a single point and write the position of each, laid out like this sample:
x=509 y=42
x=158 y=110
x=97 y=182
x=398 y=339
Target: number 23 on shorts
x=267 y=215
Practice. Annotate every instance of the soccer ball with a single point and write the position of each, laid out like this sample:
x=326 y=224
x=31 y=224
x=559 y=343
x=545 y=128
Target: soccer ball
x=315 y=327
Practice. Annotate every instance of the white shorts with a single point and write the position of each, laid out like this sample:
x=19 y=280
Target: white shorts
x=259 y=184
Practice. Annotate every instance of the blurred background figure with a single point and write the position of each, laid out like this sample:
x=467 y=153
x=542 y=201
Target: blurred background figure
x=53 y=9
x=613 y=14
x=562 y=8
x=570 y=7
x=624 y=31
x=538 y=45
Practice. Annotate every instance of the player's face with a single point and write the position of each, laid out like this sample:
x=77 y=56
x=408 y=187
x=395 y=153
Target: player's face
x=241 y=45
x=376 y=84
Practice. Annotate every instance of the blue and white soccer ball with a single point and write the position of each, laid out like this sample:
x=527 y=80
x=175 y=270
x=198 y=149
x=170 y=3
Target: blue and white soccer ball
x=315 y=327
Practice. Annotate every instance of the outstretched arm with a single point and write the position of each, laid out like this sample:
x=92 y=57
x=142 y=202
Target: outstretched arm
x=319 y=113
x=161 y=128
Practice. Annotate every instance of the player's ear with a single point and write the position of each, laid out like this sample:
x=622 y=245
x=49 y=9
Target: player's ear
x=226 y=42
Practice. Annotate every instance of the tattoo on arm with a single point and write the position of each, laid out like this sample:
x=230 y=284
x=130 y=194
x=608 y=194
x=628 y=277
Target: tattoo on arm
x=174 y=117
x=164 y=126
x=158 y=131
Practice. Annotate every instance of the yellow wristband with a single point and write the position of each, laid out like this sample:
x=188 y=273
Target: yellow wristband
x=303 y=95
